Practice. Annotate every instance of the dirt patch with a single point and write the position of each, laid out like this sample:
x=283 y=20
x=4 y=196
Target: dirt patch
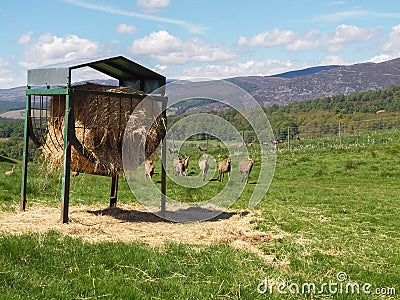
x=132 y=223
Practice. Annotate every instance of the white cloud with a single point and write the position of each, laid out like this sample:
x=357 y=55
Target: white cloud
x=7 y=77
x=166 y=48
x=25 y=38
x=152 y=5
x=340 y=16
x=393 y=45
x=86 y=74
x=313 y=39
x=345 y=34
x=124 y=28
x=381 y=58
x=271 y=38
x=391 y=49
x=50 y=49
x=161 y=68
x=113 y=42
x=310 y=40
x=337 y=3
x=248 y=68
x=332 y=60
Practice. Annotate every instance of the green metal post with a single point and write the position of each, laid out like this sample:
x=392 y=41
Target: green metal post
x=25 y=154
x=69 y=121
x=114 y=190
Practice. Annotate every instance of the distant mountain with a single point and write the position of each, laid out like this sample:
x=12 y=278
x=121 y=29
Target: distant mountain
x=18 y=93
x=281 y=89
x=111 y=82
x=308 y=71
x=13 y=94
x=324 y=83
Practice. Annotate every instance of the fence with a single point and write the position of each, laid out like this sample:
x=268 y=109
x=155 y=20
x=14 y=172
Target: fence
x=338 y=135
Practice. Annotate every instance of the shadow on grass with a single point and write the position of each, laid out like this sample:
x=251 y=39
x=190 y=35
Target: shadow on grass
x=6 y=159
x=190 y=214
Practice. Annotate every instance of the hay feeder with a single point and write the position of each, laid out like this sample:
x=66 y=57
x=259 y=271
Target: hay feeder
x=80 y=127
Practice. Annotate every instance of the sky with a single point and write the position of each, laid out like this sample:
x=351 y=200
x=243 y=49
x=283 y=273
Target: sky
x=184 y=39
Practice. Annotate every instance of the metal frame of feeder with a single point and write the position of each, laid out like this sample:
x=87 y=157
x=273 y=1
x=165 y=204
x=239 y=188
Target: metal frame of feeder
x=57 y=81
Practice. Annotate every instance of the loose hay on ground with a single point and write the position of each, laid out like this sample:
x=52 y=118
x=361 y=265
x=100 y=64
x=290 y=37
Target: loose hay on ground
x=132 y=223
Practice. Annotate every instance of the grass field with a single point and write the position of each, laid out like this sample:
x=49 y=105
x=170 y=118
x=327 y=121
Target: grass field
x=334 y=210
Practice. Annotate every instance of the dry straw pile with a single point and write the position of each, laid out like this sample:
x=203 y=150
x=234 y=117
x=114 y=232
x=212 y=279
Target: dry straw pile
x=133 y=223
x=101 y=116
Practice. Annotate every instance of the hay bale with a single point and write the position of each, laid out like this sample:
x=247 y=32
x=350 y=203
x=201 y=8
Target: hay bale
x=101 y=117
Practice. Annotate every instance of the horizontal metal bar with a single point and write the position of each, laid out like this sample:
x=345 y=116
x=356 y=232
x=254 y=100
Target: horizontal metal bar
x=56 y=91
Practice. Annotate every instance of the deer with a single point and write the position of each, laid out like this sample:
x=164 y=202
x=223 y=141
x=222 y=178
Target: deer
x=181 y=165
x=203 y=165
x=149 y=168
x=173 y=150
x=245 y=169
x=8 y=173
x=278 y=142
x=224 y=166
x=202 y=149
x=176 y=163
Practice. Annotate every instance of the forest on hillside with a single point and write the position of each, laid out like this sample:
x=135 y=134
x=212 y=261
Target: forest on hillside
x=11 y=105
x=358 y=107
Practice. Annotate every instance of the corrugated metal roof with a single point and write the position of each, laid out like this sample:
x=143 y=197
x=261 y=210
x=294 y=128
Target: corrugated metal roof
x=126 y=71
x=121 y=68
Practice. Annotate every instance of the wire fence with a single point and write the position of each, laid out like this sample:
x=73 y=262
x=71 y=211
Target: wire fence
x=338 y=135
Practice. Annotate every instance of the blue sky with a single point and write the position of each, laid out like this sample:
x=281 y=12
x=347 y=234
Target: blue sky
x=196 y=38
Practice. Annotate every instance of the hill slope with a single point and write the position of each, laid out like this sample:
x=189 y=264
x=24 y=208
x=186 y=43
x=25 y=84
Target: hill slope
x=343 y=80
x=294 y=86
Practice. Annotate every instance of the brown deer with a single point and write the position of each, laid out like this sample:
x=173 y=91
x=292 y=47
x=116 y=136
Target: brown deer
x=245 y=169
x=181 y=165
x=8 y=173
x=278 y=142
x=173 y=150
x=202 y=149
x=224 y=166
x=149 y=168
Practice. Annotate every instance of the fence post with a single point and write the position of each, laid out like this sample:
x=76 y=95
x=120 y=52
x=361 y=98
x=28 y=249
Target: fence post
x=340 y=138
x=288 y=138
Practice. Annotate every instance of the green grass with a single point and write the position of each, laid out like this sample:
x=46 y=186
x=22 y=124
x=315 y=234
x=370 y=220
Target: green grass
x=341 y=211
x=52 y=266
x=334 y=210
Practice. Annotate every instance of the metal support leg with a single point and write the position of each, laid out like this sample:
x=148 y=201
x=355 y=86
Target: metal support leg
x=114 y=190
x=163 y=176
x=66 y=176
x=25 y=155
x=164 y=163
